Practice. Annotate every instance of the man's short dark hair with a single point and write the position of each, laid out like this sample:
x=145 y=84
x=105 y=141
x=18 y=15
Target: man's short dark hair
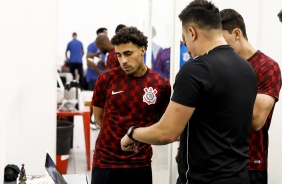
x=202 y=13
x=101 y=30
x=74 y=34
x=130 y=34
x=231 y=19
x=119 y=27
x=280 y=15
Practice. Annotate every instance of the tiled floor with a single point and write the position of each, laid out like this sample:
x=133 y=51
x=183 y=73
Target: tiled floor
x=77 y=161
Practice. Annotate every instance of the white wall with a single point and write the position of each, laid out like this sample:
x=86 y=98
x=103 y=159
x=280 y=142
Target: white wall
x=250 y=13
x=85 y=18
x=28 y=83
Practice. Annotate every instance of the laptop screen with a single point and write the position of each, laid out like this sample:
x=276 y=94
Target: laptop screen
x=53 y=171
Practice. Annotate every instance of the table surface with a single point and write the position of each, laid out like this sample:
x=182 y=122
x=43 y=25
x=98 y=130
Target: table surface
x=70 y=178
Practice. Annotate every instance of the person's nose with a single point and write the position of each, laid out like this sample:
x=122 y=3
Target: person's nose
x=123 y=60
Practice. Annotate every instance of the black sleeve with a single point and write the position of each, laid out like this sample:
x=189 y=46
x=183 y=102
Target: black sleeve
x=189 y=83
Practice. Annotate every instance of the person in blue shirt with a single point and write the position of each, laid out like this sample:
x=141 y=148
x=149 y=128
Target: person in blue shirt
x=75 y=48
x=162 y=62
x=94 y=69
x=155 y=48
x=93 y=51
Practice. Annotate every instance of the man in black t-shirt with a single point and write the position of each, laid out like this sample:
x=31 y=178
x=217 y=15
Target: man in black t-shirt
x=215 y=92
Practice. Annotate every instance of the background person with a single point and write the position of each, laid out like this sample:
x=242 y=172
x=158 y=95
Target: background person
x=92 y=67
x=75 y=47
x=269 y=84
x=119 y=27
x=162 y=62
x=93 y=51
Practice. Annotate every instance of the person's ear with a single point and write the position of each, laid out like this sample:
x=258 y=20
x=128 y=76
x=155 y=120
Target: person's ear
x=237 y=33
x=143 y=50
x=193 y=33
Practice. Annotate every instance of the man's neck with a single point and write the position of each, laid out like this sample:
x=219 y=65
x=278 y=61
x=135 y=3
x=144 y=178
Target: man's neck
x=247 y=50
x=141 y=71
x=211 y=44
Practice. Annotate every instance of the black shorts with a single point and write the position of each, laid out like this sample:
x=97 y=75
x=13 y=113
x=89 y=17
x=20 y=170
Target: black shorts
x=140 y=175
x=258 y=177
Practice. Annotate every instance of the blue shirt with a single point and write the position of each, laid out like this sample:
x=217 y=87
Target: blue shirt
x=75 y=47
x=184 y=55
x=162 y=62
x=91 y=74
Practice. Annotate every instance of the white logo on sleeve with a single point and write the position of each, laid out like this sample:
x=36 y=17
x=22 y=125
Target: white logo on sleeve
x=116 y=92
x=150 y=96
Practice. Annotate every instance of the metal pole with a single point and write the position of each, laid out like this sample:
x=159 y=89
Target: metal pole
x=174 y=68
x=148 y=28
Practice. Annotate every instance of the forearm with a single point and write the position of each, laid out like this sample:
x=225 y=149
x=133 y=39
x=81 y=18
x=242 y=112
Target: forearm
x=167 y=130
x=98 y=122
x=178 y=138
x=98 y=115
x=262 y=107
x=154 y=135
x=93 y=66
x=66 y=54
x=258 y=122
x=91 y=55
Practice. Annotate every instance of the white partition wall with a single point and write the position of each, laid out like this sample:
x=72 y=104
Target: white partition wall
x=28 y=83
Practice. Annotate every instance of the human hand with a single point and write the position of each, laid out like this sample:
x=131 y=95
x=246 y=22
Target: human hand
x=177 y=156
x=99 y=52
x=128 y=144
x=101 y=63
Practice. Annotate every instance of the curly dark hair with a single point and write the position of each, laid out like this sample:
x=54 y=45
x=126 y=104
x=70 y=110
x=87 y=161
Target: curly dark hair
x=231 y=19
x=130 y=34
x=201 y=12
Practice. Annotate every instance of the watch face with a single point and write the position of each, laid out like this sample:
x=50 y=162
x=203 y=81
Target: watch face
x=129 y=132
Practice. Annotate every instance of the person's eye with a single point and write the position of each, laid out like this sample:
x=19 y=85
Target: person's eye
x=128 y=53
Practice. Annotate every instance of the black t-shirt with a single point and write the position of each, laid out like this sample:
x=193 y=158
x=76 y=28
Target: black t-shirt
x=222 y=87
x=182 y=159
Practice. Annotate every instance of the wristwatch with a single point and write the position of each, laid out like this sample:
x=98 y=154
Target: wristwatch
x=130 y=132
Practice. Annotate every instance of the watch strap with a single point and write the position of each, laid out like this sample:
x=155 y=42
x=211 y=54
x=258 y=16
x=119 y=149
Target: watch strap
x=130 y=132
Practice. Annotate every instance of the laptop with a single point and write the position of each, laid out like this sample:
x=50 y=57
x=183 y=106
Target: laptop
x=53 y=171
